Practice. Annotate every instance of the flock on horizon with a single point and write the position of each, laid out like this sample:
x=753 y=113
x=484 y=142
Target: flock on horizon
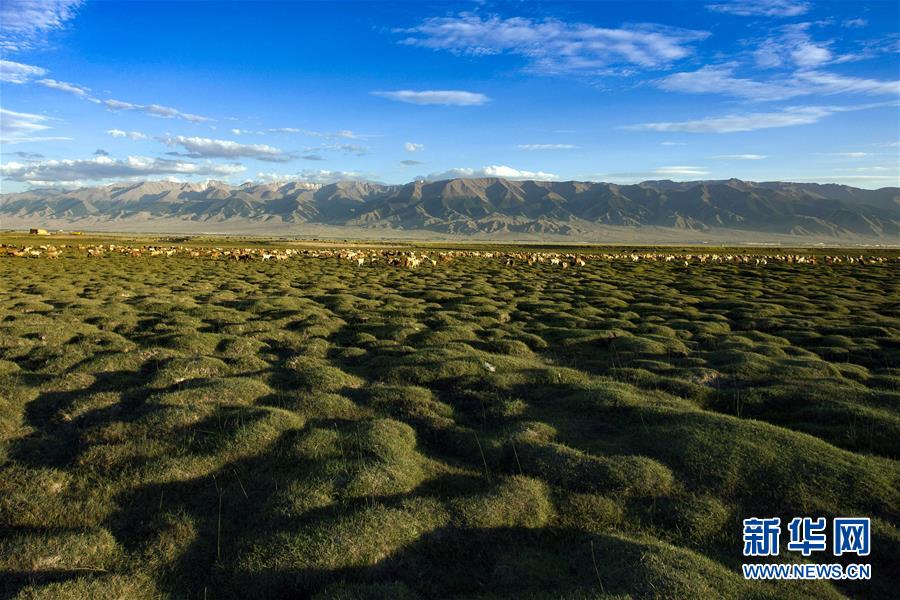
x=412 y=259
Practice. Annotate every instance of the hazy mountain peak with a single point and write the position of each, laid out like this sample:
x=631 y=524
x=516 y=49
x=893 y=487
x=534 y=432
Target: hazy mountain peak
x=488 y=204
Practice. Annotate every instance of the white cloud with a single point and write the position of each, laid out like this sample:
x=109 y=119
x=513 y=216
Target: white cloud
x=546 y=146
x=787 y=117
x=852 y=154
x=412 y=147
x=876 y=168
x=272 y=177
x=26 y=22
x=769 y=54
x=18 y=127
x=792 y=45
x=740 y=157
x=861 y=180
x=325 y=176
x=14 y=72
x=343 y=133
x=198 y=147
x=447 y=97
x=761 y=8
x=104 y=167
x=333 y=135
x=807 y=54
x=832 y=83
x=491 y=171
x=156 y=110
x=70 y=88
x=15 y=123
x=351 y=148
x=132 y=135
x=320 y=176
x=553 y=46
x=681 y=171
x=673 y=143
x=720 y=79
x=855 y=23
x=236 y=131
x=42 y=138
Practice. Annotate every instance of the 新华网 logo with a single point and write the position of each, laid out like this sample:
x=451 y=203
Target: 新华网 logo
x=807 y=535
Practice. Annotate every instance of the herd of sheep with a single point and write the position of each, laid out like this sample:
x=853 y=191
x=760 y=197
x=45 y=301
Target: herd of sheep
x=412 y=258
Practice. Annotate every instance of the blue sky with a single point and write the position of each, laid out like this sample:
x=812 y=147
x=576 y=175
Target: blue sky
x=102 y=91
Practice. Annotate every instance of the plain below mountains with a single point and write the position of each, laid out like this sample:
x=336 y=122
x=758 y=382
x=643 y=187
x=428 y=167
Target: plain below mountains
x=485 y=207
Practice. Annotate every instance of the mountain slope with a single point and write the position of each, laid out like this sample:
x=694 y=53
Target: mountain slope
x=485 y=205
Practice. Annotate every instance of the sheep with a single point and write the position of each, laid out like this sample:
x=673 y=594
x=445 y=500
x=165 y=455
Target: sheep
x=411 y=259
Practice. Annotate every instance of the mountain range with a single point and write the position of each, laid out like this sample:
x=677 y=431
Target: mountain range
x=480 y=207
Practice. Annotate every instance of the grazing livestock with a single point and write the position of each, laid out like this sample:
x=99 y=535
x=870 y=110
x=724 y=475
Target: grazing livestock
x=411 y=259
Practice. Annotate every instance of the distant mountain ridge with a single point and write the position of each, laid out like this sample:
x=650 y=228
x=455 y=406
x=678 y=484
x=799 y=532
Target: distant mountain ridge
x=479 y=206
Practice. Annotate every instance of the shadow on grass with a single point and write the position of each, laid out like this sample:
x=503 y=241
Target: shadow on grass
x=240 y=505
x=55 y=441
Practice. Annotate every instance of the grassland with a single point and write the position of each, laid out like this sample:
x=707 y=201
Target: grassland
x=178 y=427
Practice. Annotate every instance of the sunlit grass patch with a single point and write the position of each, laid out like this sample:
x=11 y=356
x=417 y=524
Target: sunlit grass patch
x=410 y=402
x=91 y=549
x=99 y=585
x=300 y=557
x=317 y=375
x=178 y=370
x=243 y=390
x=513 y=502
x=385 y=459
x=578 y=471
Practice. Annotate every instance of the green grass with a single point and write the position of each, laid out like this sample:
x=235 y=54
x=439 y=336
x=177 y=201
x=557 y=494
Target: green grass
x=187 y=428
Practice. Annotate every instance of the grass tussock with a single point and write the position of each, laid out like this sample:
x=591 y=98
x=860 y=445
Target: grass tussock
x=203 y=428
